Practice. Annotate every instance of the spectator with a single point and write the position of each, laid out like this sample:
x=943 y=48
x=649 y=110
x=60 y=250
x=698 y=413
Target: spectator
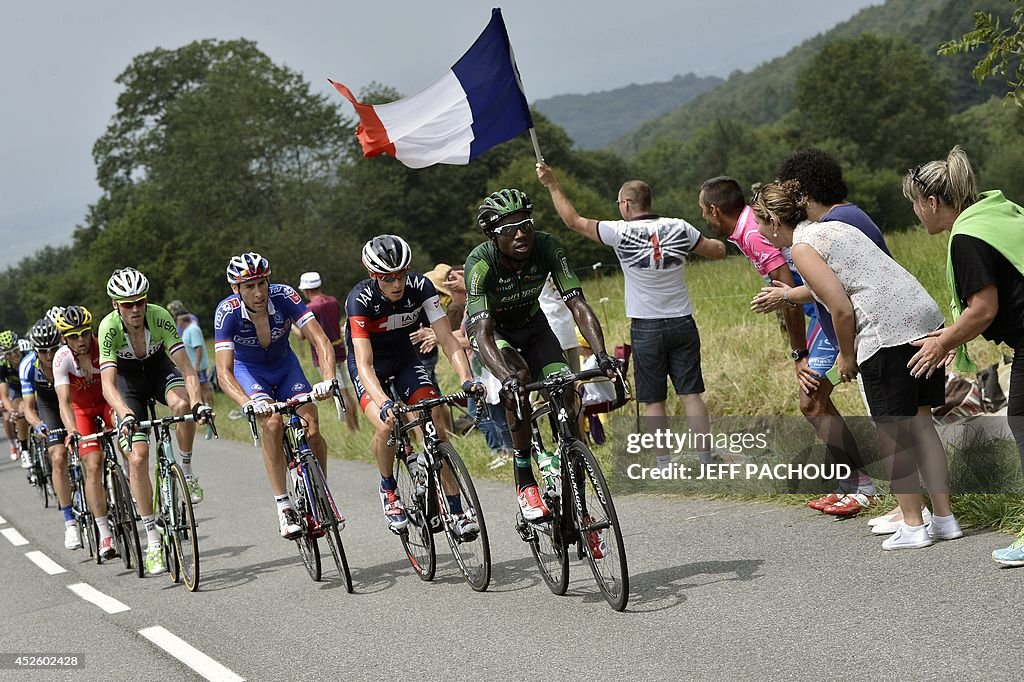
x=652 y=251
x=195 y=346
x=327 y=312
x=985 y=276
x=561 y=322
x=877 y=309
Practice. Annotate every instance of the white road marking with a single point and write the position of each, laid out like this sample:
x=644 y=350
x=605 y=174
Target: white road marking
x=94 y=596
x=188 y=654
x=16 y=538
x=2 y=520
x=46 y=563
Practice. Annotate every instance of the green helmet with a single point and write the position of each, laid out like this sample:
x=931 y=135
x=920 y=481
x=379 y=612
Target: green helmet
x=8 y=340
x=500 y=204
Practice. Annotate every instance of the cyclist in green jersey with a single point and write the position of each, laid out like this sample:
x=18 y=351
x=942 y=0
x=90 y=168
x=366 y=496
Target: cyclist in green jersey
x=142 y=357
x=504 y=279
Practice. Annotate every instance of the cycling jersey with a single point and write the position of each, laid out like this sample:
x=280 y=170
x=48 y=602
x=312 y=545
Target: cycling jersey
x=235 y=331
x=116 y=350
x=510 y=297
x=9 y=376
x=385 y=323
x=86 y=393
x=34 y=381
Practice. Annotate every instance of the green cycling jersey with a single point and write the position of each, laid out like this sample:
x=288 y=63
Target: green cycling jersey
x=161 y=334
x=509 y=297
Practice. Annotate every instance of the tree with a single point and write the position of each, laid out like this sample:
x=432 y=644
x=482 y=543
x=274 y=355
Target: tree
x=1005 y=47
x=879 y=94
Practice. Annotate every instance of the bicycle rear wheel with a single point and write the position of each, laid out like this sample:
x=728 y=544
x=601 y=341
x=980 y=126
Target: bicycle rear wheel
x=186 y=538
x=417 y=536
x=472 y=553
x=306 y=543
x=330 y=519
x=598 y=526
x=126 y=524
x=39 y=470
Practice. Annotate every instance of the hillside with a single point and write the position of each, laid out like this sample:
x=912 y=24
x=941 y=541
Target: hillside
x=596 y=119
x=765 y=94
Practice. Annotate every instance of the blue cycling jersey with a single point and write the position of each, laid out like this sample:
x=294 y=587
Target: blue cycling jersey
x=234 y=330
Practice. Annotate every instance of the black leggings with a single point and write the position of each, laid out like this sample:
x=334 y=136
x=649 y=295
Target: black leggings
x=1015 y=404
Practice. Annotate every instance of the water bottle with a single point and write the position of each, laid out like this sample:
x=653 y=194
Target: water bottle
x=550 y=470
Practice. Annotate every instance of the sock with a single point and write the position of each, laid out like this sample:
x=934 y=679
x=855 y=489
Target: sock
x=388 y=483
x=23 y=444
x=152 y=534
x=69 y=515
x=104 y=525
x=522 y=470
x=185 y=460
x=455 y=503
x=942 y=520
x=283 y=502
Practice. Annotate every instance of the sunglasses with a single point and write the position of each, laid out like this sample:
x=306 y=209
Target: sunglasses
x=47 y=351
x=390 y=279
x=510 y=229
x=78 y=335
x=138 y=303
x=915 y=176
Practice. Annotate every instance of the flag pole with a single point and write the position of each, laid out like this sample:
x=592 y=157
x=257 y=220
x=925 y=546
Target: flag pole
x=536 y=147
x=522 y=88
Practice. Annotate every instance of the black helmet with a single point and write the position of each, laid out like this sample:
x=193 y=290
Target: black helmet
x=44 y=335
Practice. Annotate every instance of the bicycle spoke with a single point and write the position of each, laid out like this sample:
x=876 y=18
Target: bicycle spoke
x=306 y=544
x=417 y=537
x=184 y=534
x=471 y=551
x=329 y=521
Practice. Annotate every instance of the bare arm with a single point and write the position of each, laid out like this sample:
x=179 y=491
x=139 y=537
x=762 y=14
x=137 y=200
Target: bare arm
x=188 y=372
x=588 y=323
x=28 y=405
x=982 y=307
x=792 y=314
x=324 y=350
x=364 y=365
x=108 y=380
x=225 y=362
x=710 y=248
x=489 y=353
x=67 y=412
x=566 y=211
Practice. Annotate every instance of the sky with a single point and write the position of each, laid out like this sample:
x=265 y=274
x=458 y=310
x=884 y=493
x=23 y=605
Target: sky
x=59 y=60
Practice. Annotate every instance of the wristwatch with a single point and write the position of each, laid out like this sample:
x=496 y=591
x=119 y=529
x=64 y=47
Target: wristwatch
x=798 y=354
x=785 y=298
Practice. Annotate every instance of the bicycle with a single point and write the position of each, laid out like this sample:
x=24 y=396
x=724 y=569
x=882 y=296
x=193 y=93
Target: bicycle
x=172 y=503
x=40 y=474
x=121 y=513
x=85 y=522
x=422 y=481
x=593 y=529
x=307 y=486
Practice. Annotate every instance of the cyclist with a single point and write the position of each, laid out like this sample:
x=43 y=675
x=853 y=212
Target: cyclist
x=382 y=310
x=42 y=410
x=142 y=357
x=505 y=276
x=76 y=380
x=256 y=366
x=10 y=396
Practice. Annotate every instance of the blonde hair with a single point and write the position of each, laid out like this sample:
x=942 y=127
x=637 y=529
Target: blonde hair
x=951 y=181
x=783 y=203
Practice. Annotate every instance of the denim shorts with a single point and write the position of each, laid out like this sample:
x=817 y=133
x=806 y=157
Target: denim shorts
x=665 y=348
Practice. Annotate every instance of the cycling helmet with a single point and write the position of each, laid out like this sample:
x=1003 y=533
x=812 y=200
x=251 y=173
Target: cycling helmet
x=247 y=267
x=127 y=283
x=44 y=335
x=24 y=345
x=386 y=255
x=8 y=340
x=53 y=312
x=73 y=318
x=500 y=204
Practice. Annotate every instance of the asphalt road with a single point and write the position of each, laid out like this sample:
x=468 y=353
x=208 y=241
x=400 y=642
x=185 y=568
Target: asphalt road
x=719 y=590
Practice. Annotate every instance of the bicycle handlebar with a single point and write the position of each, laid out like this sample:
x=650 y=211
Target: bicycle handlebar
x=291 y=404
x=424 y=406
x=167 y=421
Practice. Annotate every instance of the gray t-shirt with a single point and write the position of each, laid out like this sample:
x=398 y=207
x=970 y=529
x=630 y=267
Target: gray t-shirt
x=653 y=251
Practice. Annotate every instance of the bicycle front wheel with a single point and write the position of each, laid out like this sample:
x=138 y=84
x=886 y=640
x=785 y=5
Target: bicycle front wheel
x=472 y=551
x=309 y=552
x=40 y=470
x=417 y=536
x=186 y=539
x=598 y=526
x=330 y=519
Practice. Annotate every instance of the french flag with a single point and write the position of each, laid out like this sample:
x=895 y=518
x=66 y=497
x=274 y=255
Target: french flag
x=477 y=105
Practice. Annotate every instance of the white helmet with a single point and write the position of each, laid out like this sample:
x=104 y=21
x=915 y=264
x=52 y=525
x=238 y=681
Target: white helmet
x=127 y=283
x=386 y=254
x=246 y=267
x=53 y=313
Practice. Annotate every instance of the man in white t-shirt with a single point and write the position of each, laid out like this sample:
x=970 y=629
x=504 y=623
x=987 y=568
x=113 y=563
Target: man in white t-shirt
x=652 y=251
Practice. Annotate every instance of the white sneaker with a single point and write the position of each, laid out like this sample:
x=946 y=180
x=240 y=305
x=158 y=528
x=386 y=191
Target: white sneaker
x=71 y=539
x=884 y=518
x=26 y=462
x=909 y=537
x=291 y=524
x=944 y=528
x=889 y=527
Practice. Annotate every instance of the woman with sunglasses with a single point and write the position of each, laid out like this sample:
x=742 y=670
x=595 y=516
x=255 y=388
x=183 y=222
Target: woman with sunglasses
x=382 y=310
x=142 y=357
x=76 y=380
x=42 y=410
x=985 y=276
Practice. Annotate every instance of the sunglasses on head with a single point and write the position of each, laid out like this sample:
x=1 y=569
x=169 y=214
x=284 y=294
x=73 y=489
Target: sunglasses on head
x=510 y=229
x=390 y=279
x=137 y=303
x=78 y=334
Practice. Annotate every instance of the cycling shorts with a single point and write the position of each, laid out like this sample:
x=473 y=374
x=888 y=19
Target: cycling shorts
x=276 y=384
x=406 y=373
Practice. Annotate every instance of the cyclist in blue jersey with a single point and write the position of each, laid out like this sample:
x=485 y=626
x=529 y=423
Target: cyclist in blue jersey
x=382 y=310
x=256 y=365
